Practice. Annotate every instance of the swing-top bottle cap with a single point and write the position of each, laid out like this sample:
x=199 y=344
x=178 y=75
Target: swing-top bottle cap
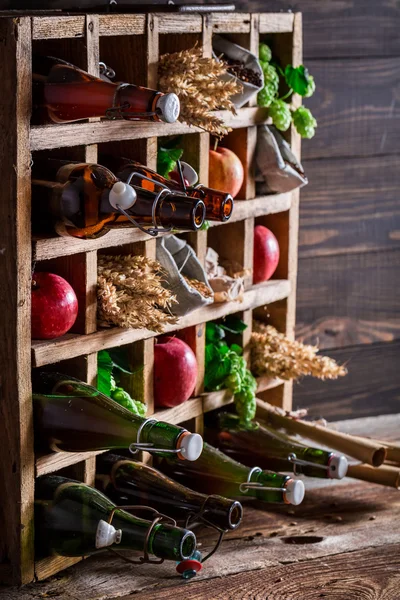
x=191 y=446
x=294 y=491
x=337 y=466
x=107 y=535
x=122 y=195
x=168 y=107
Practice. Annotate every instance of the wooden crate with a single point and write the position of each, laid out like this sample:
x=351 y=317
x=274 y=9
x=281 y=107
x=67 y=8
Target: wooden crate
x=132 y=45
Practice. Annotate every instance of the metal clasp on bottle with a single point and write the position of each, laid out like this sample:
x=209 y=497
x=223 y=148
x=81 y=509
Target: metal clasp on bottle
x=191 y=520
x=303 y=463
x=157 y=518
x=254 y=485
x=155 y=230
x=137 y=446
x=122 y=110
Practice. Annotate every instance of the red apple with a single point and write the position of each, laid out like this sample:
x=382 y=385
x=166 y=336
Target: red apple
x=225 y=171
x=175 y=372
x=54 y=306
x=266 y=254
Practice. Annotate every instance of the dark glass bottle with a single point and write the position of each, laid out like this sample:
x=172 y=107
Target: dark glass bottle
x=72 y=519
x=219 y=205
x=215 y=473
x=129 y=482
x=271 y=449
x=73 y=416
x=63 y=93
x=86 y=200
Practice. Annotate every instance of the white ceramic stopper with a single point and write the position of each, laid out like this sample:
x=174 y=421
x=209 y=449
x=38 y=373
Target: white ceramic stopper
x=123 y=195
x=107 y=535
x=294 y=491
x=169 y=107
x=191 y=446
x=188 y=173
x=337 y=467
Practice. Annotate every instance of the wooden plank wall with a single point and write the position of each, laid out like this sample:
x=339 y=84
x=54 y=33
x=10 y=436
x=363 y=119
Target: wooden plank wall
x=349 y=247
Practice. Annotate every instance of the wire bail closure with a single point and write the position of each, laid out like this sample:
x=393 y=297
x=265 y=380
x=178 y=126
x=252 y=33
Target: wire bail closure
x=155 y=230
x=157 y=518
x=254 y=485
x=193 y=517
x=137 y=446
x=304 y=463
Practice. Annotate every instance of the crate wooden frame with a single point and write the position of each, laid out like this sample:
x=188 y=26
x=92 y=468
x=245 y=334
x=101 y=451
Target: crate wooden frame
x=77 y=259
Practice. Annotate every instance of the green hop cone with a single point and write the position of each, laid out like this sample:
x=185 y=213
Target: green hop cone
x=280 y=114
x=310 y=87
x=266 y=96
x=264 y=52
x=304 y=122
x=123 y=398
x=271 y=77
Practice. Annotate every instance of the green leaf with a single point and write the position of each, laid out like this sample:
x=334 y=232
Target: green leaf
x=214 y=332
x=233 y=325
x=104 y=372
x=120 y=361
x=166 y=160
x=205 y=226
x=297 y=79
x=237 y=349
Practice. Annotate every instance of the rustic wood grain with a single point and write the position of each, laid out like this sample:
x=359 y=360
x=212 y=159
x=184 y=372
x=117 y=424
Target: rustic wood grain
x=16 y=426
x=350 y=206
x=356 y=108
x=365 y=575
x=372 y=386
x=349 y=299
x=46 y=137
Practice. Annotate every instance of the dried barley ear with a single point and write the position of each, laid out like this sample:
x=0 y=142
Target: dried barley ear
x=197 y=81
x=274 y=355
x=130 y=294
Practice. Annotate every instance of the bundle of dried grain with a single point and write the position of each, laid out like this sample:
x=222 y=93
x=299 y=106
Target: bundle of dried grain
x=274 y=355
x=130 y=293
x=197 y=81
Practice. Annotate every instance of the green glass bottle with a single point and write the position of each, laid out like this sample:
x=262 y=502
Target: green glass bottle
x=73 y=519
x=215 y=473
x=271 y=449
x=73 y=416
x=126 y=481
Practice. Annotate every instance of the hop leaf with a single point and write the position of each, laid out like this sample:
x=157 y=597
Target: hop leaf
x=304 y=122
x=297 y=79
x=264 y=52
x=310 y=87
x=280 y=114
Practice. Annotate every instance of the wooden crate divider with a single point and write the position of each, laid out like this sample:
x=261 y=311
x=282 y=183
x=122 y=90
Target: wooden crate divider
x=132 y=44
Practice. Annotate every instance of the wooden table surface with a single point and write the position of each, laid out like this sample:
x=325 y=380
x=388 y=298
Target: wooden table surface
x=342 y=543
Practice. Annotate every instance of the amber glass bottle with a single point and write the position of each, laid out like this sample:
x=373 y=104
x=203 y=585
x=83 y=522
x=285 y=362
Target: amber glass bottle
x=219 y=205
x=86 y=200
x=271 y=449
x=63 y=93
x=129 y=482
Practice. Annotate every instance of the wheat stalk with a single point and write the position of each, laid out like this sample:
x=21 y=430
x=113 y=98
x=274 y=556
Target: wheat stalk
x=274 y=355
x=130 y=293
x=197 y=81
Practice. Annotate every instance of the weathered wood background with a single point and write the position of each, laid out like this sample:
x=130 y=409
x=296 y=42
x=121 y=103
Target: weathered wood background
x=349 y=254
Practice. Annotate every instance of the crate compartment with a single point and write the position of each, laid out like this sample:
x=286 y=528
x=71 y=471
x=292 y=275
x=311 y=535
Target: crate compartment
x=234 y=245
